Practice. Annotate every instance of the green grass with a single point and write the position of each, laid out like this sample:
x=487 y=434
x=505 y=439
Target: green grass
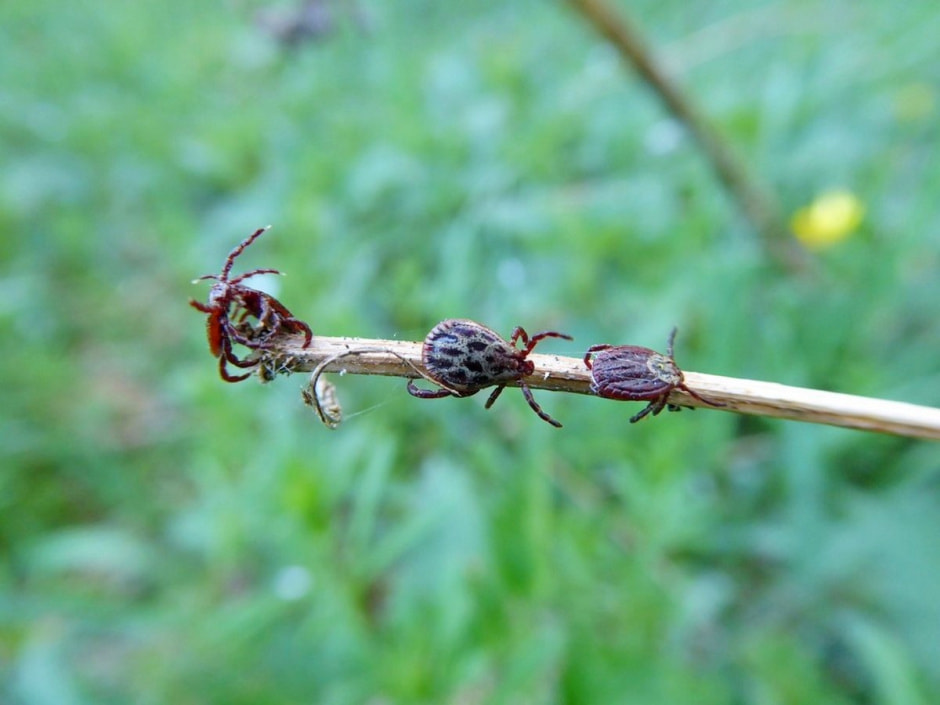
x=170 y=538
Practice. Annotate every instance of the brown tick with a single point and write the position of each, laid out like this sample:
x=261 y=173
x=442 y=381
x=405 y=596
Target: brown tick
x=632 y=373
x=464 y=357
x=229 y=306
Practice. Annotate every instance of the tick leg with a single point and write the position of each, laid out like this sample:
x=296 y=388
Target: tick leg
x=594 y=349
x=223 y=371
x=201 y=307
x=527 y=393
x=230 y=356
x=427 y=393
x=534 y=340
x=299 y=326
x=672 y=340
x=266 y=314
x=700 y=398
x=654 y=407
x=494 y=396
x=528 y=343
x=646 y=410
x=660 y=404
x=547 y=334
x=252 y=273
x=230 y=260
x=518 y=333
x=255 y=343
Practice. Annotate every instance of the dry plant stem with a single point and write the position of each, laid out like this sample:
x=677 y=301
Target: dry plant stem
x=331 y=416
x=756 y=204
x=396 y=358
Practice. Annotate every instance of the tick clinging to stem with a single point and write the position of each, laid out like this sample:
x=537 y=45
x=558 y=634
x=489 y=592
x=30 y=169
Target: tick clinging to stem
x=633 y=373
x=463 y=357
x=230 y=305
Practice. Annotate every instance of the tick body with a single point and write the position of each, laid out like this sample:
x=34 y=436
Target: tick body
x=634 y=373
x=229 y=307
x=463 y=357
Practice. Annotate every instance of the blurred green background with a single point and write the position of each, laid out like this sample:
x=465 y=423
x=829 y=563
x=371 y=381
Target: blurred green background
x=167 y=537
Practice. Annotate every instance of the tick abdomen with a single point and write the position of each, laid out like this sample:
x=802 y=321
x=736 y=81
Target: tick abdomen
x=467 y=356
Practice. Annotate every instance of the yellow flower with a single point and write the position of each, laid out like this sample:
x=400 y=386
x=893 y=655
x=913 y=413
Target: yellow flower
x=828 y=220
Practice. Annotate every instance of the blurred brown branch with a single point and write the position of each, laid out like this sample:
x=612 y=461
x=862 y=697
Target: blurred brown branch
x=755 y=202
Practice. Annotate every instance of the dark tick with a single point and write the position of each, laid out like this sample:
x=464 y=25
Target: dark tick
x=464 y=357
x=632 y=373
x=229 y=307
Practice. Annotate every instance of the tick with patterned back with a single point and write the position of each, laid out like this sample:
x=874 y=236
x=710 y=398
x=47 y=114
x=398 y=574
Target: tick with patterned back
x=464 y=356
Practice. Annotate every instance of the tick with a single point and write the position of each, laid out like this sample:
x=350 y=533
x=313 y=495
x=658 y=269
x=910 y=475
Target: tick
x=229 y=306
x=463 y=357
x=632 y=373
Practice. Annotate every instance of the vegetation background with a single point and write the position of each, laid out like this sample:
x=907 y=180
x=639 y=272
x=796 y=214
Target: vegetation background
x=167 y=537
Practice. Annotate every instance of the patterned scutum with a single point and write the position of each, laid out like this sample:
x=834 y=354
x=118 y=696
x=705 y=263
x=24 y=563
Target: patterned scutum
x=463 y=357
x=467 y=357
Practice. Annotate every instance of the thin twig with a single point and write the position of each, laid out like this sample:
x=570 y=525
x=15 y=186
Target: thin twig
x=396 y=358
x=757 y=205
x=321 y=395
